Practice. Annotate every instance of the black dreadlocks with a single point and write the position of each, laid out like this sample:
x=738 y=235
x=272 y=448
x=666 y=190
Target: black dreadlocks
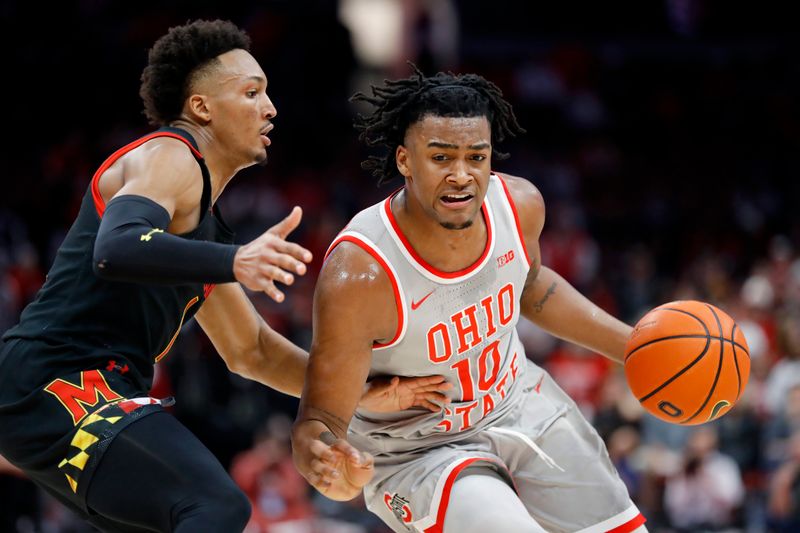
x=401 y=103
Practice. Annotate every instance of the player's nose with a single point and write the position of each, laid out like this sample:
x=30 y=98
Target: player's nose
x=269 y=110
x=460 y=174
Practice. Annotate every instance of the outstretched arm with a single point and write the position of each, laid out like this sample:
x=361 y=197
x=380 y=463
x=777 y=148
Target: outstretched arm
x=353 y=307
x=548 y=300
x=154 y=195
x=247 y=344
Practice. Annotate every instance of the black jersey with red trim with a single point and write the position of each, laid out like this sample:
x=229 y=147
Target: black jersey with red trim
x=79 y=321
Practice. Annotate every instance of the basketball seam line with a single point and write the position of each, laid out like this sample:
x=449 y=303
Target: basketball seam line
x=736 y=362
x=677 y=311
x=698 y=336
x=679 y=374
x=719 y=368
x=690 y=365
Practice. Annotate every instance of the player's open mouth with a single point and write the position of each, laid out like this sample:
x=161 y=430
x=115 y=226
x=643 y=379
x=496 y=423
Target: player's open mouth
x=264 y=139
x=456 y=201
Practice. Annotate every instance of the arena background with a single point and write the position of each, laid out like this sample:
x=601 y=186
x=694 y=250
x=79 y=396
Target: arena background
x=663 y=135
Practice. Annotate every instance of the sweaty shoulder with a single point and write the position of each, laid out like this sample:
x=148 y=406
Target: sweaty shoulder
x=162 y=169
x=165 y=159
x=354 y=290
x=529 y=204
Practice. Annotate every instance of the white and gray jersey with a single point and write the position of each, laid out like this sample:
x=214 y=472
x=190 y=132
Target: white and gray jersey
x=457 y=324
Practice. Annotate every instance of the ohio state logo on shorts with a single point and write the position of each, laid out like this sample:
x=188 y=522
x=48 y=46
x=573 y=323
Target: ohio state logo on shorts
x=399 y=506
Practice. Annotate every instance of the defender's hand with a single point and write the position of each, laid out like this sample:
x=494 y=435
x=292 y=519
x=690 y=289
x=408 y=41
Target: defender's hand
x=338 y=470
x=270 y=258
x=385 y=395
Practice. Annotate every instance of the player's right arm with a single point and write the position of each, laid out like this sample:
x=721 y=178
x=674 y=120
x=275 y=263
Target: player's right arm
x=153 y=193
x=548 y=300
x=353 y=308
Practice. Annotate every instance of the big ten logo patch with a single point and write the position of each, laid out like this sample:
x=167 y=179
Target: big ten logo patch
x=505 y=259
x=399 y=506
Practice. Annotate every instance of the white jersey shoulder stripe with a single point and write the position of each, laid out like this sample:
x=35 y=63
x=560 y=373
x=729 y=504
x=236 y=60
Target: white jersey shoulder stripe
x=511 y=211
x=399 y=296
x=420 y=265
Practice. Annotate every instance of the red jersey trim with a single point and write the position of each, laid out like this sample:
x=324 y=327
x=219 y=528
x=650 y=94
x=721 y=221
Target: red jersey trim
x=166 y=350
x=387 y=208
x=99 y=203
x=389 y=272
x=624 y=522
x=516 y=218
x=207 y=288
x=630 y=525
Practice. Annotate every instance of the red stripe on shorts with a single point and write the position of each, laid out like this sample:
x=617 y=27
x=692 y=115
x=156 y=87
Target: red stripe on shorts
x=630 y=525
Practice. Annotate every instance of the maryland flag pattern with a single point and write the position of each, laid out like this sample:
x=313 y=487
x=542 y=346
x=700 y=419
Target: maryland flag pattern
x=93 y=432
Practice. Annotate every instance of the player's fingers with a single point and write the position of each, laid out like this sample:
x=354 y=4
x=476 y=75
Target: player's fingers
x=285 y=262
x=430 y=406
x=320 y=483
x=434 y=397
x=272 y=291
x=427 y=380
x=292 y=249
x=346 y=449
x=436 y=387
x=366 y=461
x=285 y=226
x=324 y=470
x=322 y=451
x=428 y=383
x=274 y=273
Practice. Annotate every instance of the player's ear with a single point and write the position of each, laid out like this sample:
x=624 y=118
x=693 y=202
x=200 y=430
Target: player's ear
x=401 y=157
x=197 y=108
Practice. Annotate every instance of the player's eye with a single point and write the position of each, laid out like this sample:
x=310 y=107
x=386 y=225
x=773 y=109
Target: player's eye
x=479 y=157
x=439 y=157
x=252 y=93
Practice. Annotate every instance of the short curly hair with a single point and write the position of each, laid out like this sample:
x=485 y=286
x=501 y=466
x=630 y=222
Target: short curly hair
x=175 y=60
x=400 y=103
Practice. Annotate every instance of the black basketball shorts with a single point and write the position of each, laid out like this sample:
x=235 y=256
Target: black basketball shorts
x=57 y=433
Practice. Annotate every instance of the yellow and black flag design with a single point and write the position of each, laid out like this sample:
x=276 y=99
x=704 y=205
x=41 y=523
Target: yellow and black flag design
x=95 y=431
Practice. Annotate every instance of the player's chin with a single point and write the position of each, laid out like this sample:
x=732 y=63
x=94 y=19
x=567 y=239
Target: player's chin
x=457 y=219
x=261 y=158
x=456 y=223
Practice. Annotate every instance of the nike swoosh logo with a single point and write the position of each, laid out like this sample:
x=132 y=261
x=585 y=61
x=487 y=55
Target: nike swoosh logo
x=415 y=305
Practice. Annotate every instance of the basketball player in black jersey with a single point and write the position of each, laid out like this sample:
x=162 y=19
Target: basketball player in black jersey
x=147 y=252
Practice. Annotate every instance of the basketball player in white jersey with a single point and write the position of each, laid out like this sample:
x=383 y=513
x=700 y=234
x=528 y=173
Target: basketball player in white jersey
x=433 y=281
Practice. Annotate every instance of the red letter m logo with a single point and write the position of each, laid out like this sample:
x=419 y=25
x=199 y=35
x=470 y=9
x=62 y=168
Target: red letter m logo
x=75 y=397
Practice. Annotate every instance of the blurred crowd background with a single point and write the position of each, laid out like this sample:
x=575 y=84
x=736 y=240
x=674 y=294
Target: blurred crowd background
x=664 y=136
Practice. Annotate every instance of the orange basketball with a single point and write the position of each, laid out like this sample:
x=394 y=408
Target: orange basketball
x=687 y=362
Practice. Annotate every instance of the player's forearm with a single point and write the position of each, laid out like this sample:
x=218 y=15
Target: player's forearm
x=132 y=245
x=277 y=363
x=557 y=307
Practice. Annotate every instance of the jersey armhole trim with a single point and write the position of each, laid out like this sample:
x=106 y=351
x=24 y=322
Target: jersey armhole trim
x=99 y=203
x=368 y=246
x=515 y=213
